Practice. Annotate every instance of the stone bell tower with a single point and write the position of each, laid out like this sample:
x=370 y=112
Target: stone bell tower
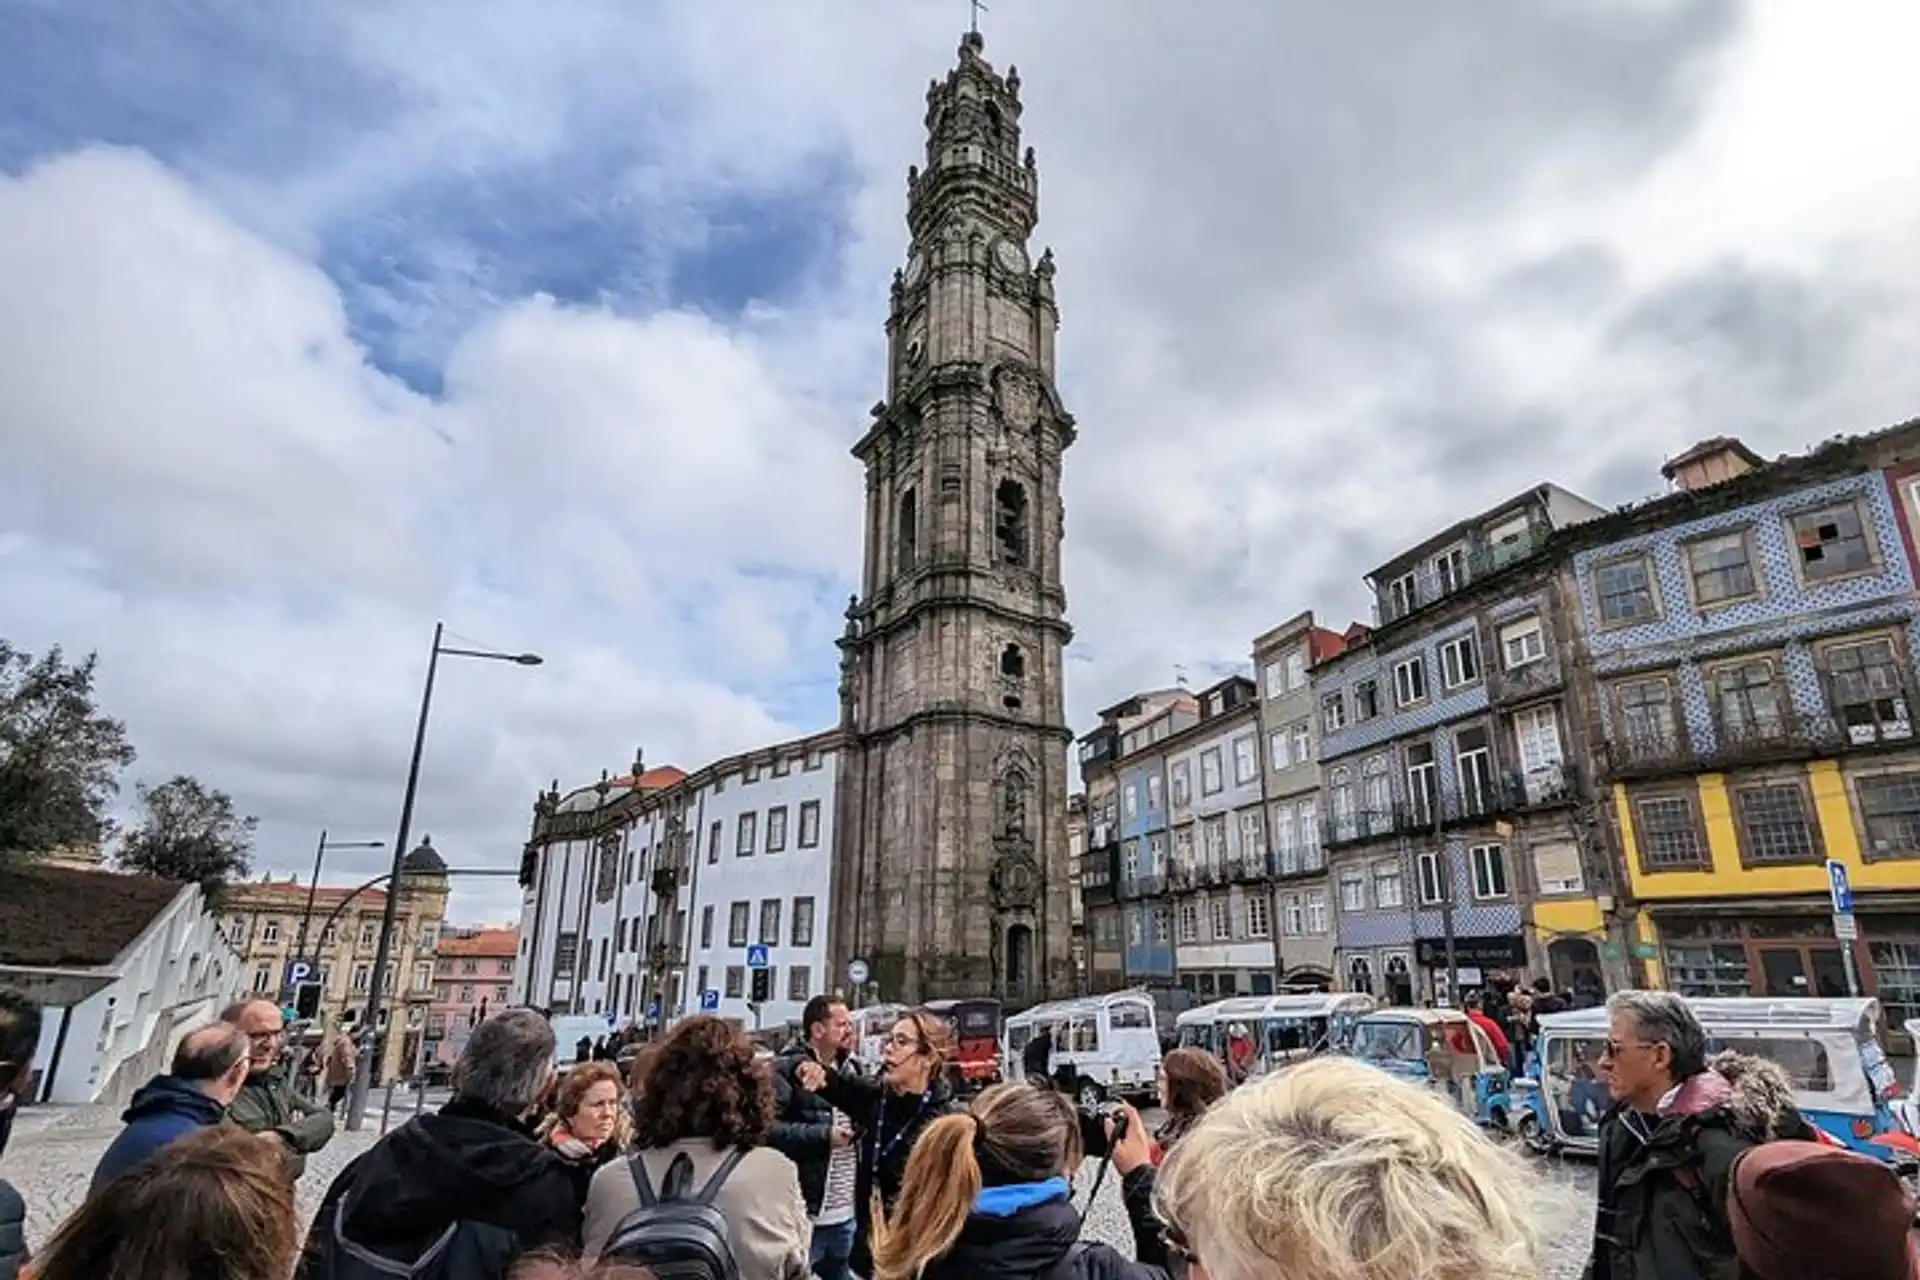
x=951 y=858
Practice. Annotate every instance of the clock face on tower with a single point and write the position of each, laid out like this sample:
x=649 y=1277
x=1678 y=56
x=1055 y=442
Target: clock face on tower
x=916 y=267
x=1011 y=257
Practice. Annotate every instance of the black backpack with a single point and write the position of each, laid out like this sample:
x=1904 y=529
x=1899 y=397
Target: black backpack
x=677 y=1236
x=463 y=1249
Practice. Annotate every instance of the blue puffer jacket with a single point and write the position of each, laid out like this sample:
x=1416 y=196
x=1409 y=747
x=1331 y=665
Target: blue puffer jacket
x=164 y=1108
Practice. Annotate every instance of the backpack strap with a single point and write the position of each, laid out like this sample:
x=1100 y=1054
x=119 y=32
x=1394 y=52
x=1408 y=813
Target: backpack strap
x=720 y=1176
x=637 y=1166
x=387 y=1266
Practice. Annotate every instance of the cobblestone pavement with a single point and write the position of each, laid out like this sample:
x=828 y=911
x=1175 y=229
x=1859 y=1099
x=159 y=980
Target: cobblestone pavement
x=54 y=1150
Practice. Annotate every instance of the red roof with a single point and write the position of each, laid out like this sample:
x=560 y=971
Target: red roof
x=653 y=779
x=482 y=942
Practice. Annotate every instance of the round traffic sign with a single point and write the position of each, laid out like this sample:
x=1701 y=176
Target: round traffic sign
x=857 y=970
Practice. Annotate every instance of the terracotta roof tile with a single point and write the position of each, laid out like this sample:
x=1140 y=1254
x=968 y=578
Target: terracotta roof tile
x=484 y=942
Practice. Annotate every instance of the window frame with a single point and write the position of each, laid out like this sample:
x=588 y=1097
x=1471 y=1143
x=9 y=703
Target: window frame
x=1653 y=591
x=1794 y=780
x=742 y=913
x=1246 y=759
x=1219 y=782
x=1465 y=647
x=1869 y=533
x=1897 y=661
x=1756 y=577
x=777 y=829
x=1475 y=863
x=1414 y=663
x=1423 y=859
x=1774 y=662
x=809 y=835
x=1676 y=712
x=1333 y=711
x=1687 y=793
x=1388 y=870
x=746 y=832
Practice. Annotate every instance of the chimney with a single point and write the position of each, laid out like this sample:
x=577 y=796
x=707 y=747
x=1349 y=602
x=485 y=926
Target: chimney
x=1708 y=463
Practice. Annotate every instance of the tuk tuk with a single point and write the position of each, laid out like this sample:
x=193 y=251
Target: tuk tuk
x=1443 y=1049
x=1830 y=1048
x=1276 y=1031
x=1109 y=1040
x=871 y=1027
x=976 y=1035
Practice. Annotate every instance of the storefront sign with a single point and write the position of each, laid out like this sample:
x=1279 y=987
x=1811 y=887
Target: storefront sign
x=1509 y=952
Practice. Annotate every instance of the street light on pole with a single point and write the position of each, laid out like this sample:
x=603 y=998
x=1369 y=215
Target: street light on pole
x=313 y=886
x=363 y=1073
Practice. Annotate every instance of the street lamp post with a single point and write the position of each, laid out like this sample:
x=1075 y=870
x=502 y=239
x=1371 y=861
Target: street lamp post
x=363 y=1074
x=313 y=886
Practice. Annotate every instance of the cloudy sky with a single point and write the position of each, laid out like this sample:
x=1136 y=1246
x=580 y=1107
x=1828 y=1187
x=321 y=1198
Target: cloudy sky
x=321 y=321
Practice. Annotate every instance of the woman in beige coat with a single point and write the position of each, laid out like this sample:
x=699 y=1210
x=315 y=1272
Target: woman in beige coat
x=702 y=1093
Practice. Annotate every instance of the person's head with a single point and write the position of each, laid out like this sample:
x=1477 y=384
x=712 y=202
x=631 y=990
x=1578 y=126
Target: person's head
x=265 y=1028
x=1789 y=1202
x=1473 y=1001
x=1013 y=1133
x=916 y=1052
x=508 y=1063
x=1653 y=1043
x=702 y=1081
x=1521 y=999
x=1191 y=1080
x=214 y=1059
x=19 y=1037
x=826 y=1025
x=1335 y=1169
x=215 y=1205
x=589 y=1102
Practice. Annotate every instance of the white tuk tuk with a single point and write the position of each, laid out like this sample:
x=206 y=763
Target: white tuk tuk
x=1110 y=1040
x=1253 y=1035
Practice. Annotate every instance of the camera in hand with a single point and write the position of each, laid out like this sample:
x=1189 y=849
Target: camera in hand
x=1095 y=1142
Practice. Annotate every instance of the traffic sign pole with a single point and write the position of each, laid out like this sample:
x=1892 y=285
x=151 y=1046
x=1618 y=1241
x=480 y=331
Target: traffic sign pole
x=1845 y=928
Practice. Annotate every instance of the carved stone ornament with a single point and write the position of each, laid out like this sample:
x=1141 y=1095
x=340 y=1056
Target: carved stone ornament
x=608 y=882
x=1015 y=883
x=1019 y=398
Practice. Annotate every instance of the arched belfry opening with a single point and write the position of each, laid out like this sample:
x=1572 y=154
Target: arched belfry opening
x=1010 y=535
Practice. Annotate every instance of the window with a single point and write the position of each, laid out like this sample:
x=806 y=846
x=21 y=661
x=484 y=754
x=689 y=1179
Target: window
x=1376 y=793
x=1216 y=831
x=330 y=937
x=736 y=981
x=770 y=909
x=1556 y=867
x=1353 y=890
x=1459 y=661
x=909 y=531
x=1522 y=642
x=803 y=922
x=1508 y=540
x=776 y=829
x=363 y=976
x=238 y=929
x=706 y=928
x=1646 y=712
x=1297 y=668
x=1303 y=743
x=1286 y=856
x=1625 y=589
x=1253 y=846
x=1387 y=888
x=713 y=842
x=1422 y=787
x=1259 y=923
x=1221 y=911
x=566 y=949
x=1410 y=681
x=1403 y=595
x=814 y=760
x=1474 y=766
x=1832 y=543
x=1132 y=801
x=1292 y=917
x=1277 y=758
x=270 y=932
x=1773 y=823
x=466 y=993
x=1366 y=700
x=1273 y=677
x=799 y=983
x=1010 y=523
x=1333 y=713
x=809 y=824
x=743 y=836
x=1211 y=779
x=1013 y=663
x=1700 y=970
x=262 y=977
x=750 y=775
x=1246 y=762
x=1153 y=793
x=1450 y=570
x=1747 y=700
x=1537 y=732
x=1869 y=697
x=1668 y=836
x=1182 y=784
x=1183 y=847
x=1721 y=568
x=369 y=931
x=1130 y=859
x=737 y=923
x=423 y=975
x=1489 y=870
x=1310 y=857
x=1340 y=800
x=1432 y=884
x=701 y=979
x=1317 y=911
x=782 y=766
x=1189 y=923
x=1897 y=965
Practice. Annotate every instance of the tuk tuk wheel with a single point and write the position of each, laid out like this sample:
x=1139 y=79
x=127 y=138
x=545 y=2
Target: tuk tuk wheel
x=1091 y=1094
x=1531 y=1135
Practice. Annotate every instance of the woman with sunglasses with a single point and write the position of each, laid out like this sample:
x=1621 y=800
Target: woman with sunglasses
x=988 y=1197
x=890 y=1113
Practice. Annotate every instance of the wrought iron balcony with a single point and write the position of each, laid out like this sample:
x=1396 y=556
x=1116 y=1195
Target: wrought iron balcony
x=1406 y=595
x=1253 y=868
x=1791 y=736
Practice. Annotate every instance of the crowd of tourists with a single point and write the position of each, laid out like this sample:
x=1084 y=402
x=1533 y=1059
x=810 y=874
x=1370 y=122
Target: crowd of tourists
x=708 y=1162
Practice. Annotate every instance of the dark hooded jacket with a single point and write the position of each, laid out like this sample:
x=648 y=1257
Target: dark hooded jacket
x=13 y=1209
x=162 y=1109
x=803 y=1131
x=1663 y=1178
x=1031 y=1231
x=888 y=1124
x=467 y=1164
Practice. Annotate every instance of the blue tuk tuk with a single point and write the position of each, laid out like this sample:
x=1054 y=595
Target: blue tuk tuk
x=1442 y=1049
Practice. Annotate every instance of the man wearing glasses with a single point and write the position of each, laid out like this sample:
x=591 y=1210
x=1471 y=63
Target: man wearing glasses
x=1668 y=1143
x=267 y=1102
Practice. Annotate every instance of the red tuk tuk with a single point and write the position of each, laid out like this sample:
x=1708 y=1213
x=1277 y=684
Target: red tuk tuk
x=976 y=1033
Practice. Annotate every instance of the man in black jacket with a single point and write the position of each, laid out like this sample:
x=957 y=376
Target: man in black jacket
x=818 y=1139
x=471 y=1176
x=19 y=1037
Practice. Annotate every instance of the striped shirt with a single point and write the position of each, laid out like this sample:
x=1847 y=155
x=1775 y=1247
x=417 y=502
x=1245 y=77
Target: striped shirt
x=843 y=1167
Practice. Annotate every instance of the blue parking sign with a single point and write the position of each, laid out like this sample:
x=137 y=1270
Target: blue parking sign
x=709 y=1001
x=1839 y=888
x=757 y=956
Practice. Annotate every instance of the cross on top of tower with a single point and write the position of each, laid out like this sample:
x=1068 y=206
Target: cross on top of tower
x=973 y=24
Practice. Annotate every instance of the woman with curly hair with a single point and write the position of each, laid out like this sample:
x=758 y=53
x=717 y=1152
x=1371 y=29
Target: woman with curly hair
x=703 y=1098
x=589 y=1125
x=215 y=1205
x=1191 y=1080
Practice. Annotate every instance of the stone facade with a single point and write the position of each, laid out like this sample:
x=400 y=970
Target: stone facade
x=1283 y=660
x=952 y=857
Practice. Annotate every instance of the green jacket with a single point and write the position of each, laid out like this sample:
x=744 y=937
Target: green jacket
x=267 y=1102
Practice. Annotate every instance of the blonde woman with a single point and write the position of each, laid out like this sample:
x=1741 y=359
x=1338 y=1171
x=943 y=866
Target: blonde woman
x=1333 y=1170
x=987 y=1196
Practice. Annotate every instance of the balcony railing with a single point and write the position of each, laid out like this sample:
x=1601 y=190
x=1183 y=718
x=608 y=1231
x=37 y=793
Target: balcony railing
x=1253 y=868
x=1482 y=799
x=1793 y=736
x=1538 y=677
x=1408 y=594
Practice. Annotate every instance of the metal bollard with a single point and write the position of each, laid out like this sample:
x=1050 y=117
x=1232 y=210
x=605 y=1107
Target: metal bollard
x=386 y=1108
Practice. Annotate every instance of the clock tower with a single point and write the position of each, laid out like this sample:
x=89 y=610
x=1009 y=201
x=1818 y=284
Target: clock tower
x=951 y=862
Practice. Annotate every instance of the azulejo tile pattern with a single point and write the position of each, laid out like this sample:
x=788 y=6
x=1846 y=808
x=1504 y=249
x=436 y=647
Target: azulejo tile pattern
x=1400 y=926
x=1441 y=705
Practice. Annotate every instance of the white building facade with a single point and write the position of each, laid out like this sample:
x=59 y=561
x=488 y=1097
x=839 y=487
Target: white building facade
x=640 y=896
